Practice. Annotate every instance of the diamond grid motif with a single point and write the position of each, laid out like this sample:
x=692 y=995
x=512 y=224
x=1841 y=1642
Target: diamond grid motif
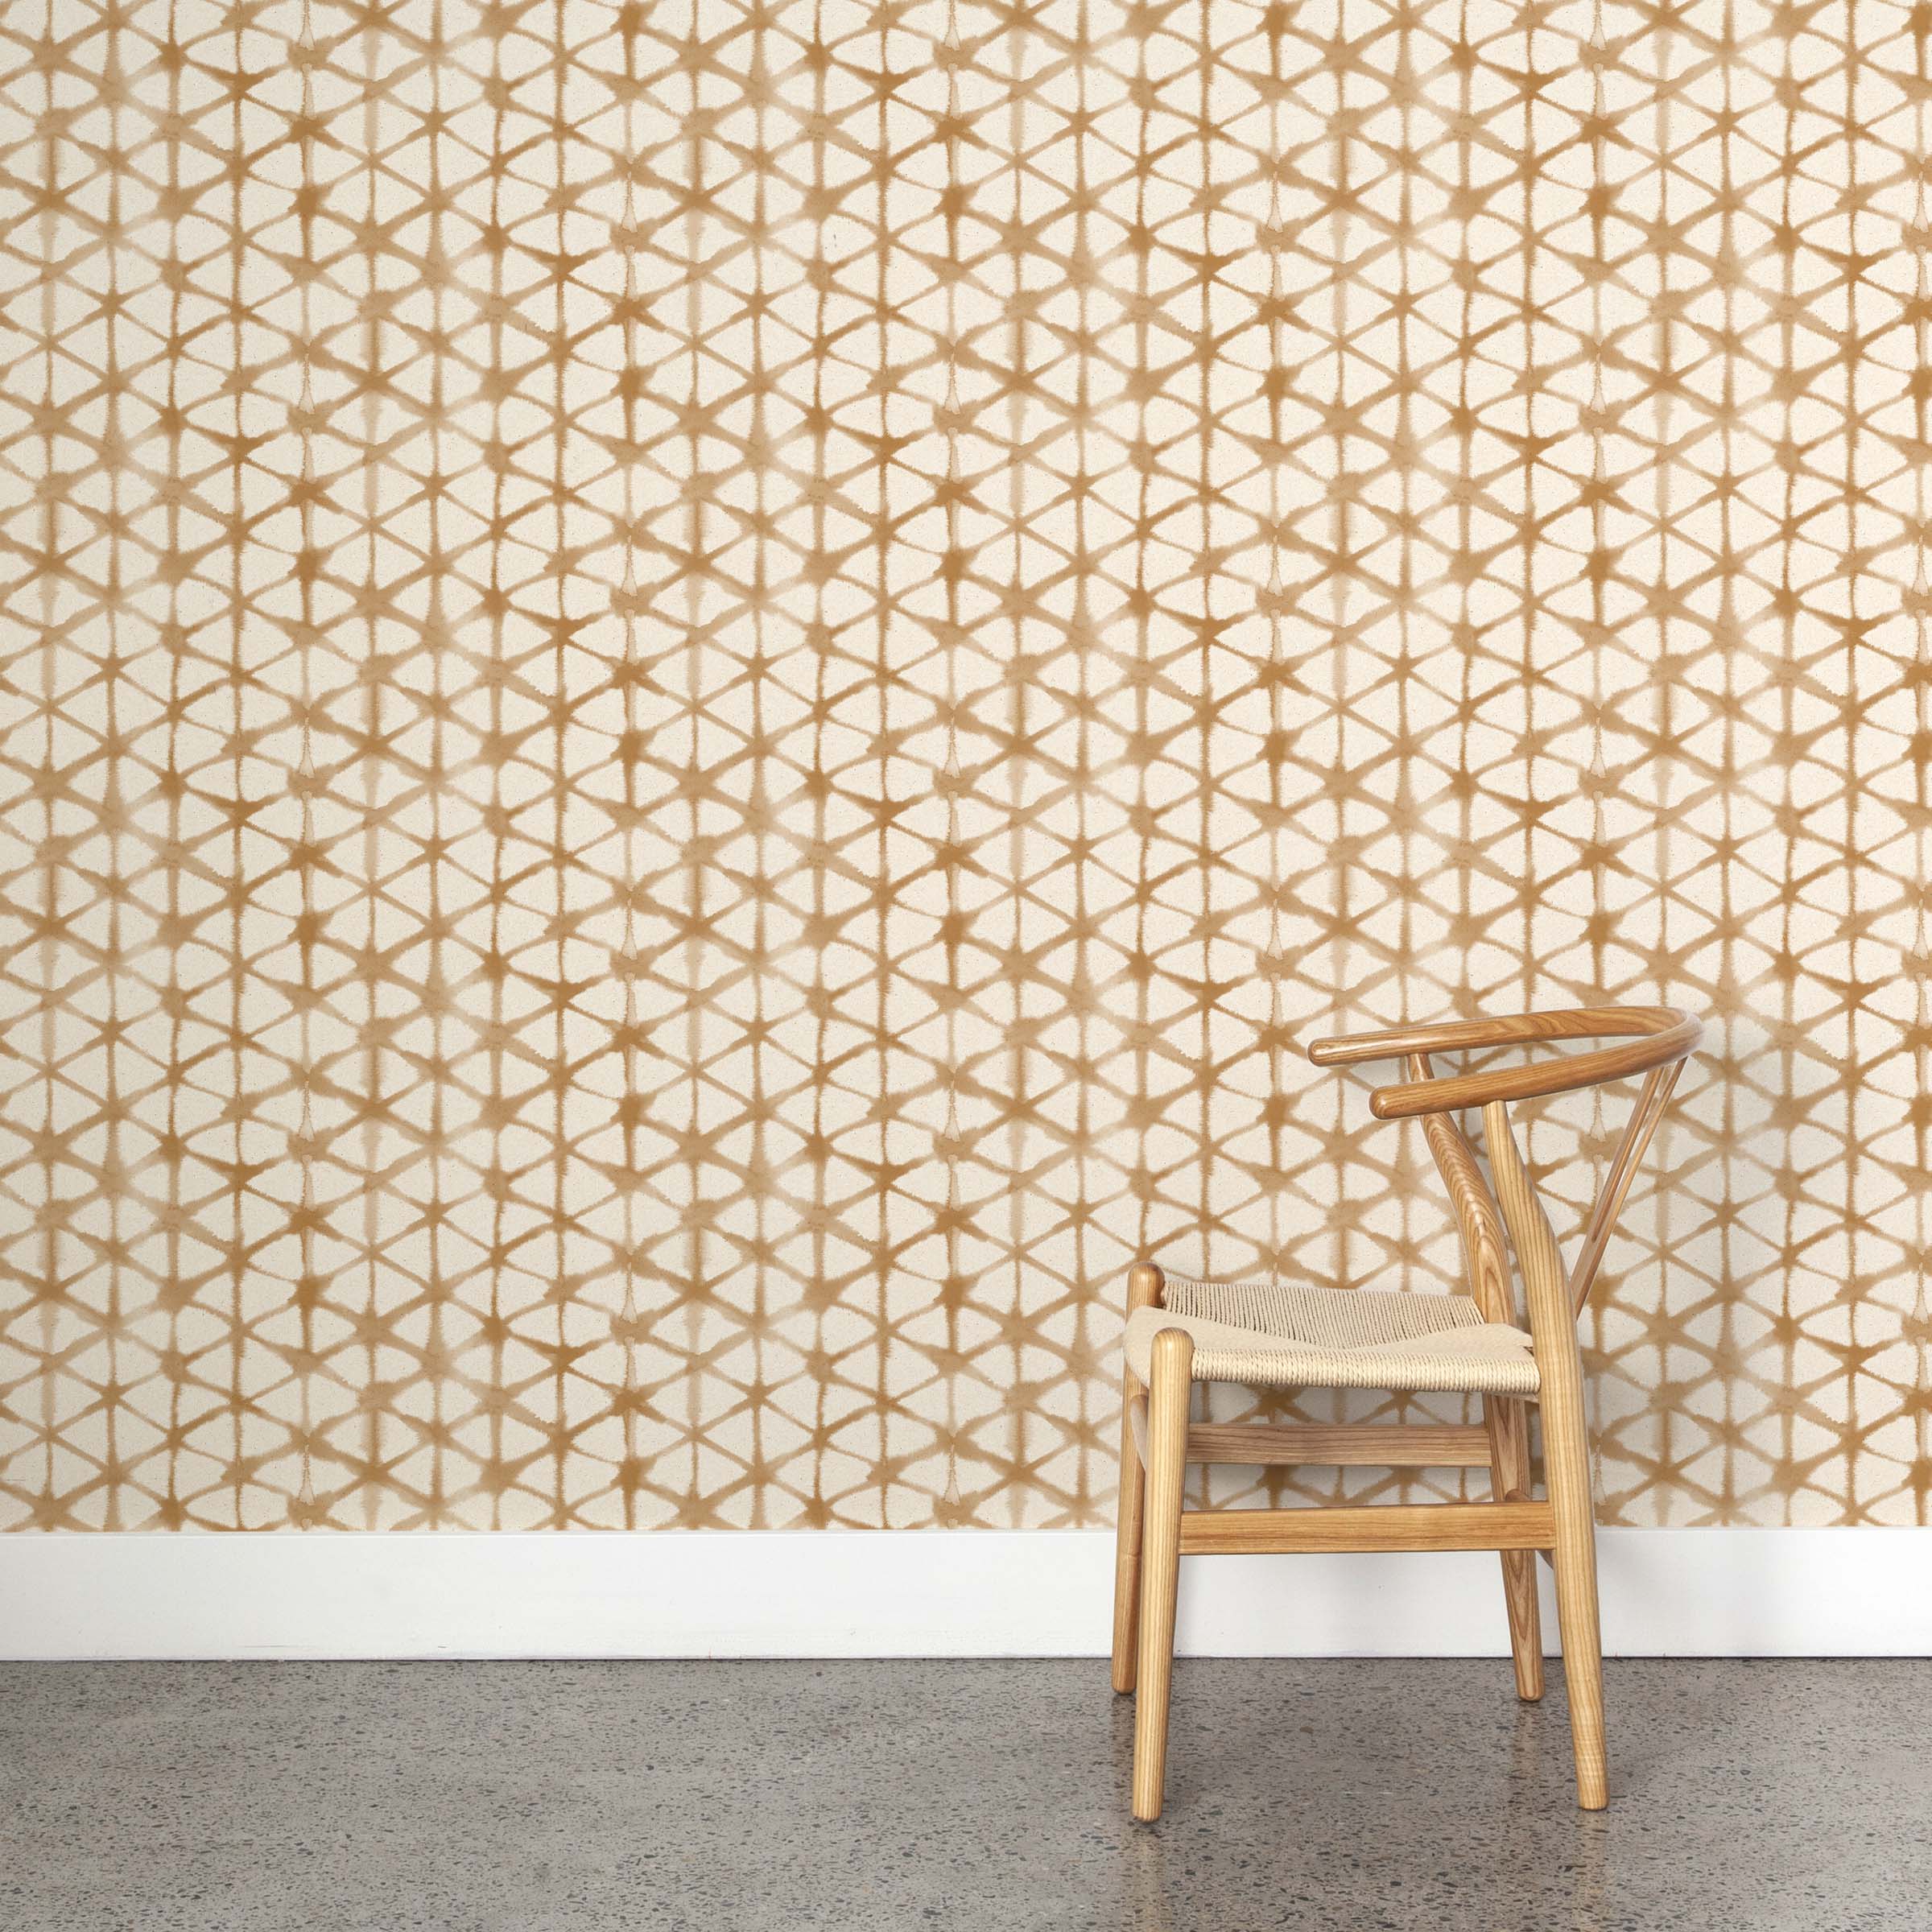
x=697 y=698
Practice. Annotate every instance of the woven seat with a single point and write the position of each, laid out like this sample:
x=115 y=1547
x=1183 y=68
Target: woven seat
x=1284 y=1337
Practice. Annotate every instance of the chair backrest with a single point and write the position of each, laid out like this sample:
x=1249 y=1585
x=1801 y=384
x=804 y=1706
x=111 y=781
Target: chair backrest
x=1655 y=1041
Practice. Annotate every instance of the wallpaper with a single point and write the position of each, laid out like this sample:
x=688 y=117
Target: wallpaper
x=700 y=697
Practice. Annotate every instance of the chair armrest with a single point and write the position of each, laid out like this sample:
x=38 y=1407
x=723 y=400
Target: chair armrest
x=1653 y=1036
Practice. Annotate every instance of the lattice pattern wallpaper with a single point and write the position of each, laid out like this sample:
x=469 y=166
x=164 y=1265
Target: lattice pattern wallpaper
x=698 y=695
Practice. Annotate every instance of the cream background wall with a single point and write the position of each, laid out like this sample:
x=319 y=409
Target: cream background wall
x=698 y=698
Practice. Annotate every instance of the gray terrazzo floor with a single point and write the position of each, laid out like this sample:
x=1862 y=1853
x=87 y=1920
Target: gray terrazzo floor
x=793 y=1797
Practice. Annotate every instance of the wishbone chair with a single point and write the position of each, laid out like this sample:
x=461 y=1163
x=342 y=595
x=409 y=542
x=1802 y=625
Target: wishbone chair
x=1180 y=1332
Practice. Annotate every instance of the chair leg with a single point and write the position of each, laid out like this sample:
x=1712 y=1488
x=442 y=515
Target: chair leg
x=1127 y=1549
x=1567 y=1471
x=1167 y=1399
x=1509 y=1425
x=1566 y=1449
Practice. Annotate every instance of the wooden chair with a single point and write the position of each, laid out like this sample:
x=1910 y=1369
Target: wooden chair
x=1180 y=1332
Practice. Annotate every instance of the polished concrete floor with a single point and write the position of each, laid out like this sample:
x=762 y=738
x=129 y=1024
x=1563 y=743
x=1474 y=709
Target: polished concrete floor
x=846 y=1796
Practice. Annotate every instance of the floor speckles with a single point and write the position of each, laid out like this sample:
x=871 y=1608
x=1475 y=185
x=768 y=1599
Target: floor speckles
x=1370 y=1796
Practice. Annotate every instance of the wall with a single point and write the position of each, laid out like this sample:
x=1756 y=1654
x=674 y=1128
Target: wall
x=699 y=700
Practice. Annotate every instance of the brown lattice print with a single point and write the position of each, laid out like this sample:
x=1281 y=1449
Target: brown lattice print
x=698 y=697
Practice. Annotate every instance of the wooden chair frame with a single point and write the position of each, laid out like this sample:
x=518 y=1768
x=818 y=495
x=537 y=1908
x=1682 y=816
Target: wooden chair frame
x=1157 y=1440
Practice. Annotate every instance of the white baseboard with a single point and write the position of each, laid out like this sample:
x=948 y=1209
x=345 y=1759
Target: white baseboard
x=931 y=1593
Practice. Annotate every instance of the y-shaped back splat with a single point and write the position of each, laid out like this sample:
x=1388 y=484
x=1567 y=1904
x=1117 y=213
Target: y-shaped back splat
x=1644 y=1117
x=1655 y=1041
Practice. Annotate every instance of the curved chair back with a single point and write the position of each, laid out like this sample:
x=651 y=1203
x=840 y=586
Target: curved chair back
x=1654 y=1041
